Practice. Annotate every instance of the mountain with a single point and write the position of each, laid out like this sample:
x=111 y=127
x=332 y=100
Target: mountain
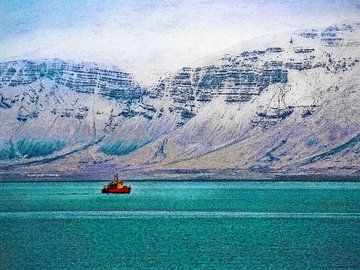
x=274 y=107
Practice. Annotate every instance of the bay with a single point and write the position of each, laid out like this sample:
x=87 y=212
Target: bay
x=180 y=225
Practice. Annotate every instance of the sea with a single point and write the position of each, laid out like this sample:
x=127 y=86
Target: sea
x=180 y=225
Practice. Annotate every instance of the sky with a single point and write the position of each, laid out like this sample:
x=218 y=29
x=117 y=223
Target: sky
x=150 y=38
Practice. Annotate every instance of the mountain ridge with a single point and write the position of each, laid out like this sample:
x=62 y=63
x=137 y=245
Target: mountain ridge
x=288 y=109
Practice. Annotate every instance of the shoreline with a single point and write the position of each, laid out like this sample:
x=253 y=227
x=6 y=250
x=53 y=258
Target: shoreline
x=198 y=180
x=198 y=175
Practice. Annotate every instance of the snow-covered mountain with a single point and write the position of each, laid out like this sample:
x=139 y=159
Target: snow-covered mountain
x=276 y=106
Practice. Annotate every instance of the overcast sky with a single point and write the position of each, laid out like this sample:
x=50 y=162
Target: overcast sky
x=147 y=37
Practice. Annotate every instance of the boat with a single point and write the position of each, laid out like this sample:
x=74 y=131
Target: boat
x=116 y=186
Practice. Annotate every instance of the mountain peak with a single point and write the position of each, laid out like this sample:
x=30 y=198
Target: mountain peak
x=279 y=106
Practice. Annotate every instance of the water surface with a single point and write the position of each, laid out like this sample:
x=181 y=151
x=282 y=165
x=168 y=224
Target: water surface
x=180 y=225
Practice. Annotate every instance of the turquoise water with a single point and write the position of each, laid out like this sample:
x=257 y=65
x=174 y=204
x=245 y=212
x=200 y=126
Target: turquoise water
x=180 y=225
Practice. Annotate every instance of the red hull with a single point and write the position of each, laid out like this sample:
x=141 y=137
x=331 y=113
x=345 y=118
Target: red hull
x=115 y=190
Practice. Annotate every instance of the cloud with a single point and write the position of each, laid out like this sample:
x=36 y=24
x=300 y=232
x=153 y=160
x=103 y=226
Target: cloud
x=152 y=37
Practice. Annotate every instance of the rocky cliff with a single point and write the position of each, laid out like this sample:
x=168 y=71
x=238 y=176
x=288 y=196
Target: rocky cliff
x=273 y=107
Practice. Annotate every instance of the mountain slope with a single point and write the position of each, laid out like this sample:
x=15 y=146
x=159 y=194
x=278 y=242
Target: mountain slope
x=288 y=106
